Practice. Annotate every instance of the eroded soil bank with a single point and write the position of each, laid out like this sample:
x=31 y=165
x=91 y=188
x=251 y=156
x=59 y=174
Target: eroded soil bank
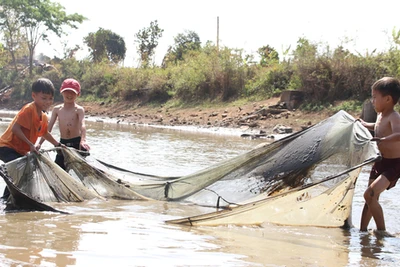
x=258 y=117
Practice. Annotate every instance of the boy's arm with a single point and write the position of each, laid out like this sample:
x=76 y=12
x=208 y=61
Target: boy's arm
x=368 y=125
x=51 y=139
x=17 y=130
x=54 y=115
x=81 y=117
x=53 y=119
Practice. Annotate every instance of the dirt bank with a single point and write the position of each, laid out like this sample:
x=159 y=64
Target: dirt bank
x=260 y=117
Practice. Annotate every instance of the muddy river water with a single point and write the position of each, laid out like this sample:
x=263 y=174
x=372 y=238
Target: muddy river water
x=133 y=233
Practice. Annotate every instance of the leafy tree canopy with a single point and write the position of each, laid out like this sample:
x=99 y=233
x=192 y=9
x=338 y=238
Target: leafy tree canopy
x=37 y=18
x=183 y=42
x=147 y=40
x=268 y=55
x=105 y=44
x=305 y=49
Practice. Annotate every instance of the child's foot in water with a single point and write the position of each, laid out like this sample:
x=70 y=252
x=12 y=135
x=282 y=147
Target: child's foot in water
x=382 y=234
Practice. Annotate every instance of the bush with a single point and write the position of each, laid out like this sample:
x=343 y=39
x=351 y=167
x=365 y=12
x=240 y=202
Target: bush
x=210 y=75
x=269 y=81
x=99 y=80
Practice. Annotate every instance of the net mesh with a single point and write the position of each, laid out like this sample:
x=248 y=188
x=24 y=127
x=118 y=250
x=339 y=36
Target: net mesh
x=317 y=167
x=335 y=145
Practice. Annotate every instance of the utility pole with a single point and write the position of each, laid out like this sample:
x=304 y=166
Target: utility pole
x=217 y=33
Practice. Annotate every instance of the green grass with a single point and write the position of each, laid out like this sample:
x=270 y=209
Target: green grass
x=349 y=106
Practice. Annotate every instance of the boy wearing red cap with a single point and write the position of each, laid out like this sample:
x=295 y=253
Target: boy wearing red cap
x=70 y=119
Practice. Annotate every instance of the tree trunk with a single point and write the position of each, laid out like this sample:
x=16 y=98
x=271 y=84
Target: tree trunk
x=30 y=61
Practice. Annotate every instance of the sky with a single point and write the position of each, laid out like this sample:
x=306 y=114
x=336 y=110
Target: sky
x=360 y=26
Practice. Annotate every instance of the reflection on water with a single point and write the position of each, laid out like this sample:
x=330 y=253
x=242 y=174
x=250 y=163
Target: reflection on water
x=161 y=151
x=133 y=233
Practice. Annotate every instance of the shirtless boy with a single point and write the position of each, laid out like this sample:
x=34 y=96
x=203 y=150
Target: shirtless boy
x=70 y=119
x=385 y=173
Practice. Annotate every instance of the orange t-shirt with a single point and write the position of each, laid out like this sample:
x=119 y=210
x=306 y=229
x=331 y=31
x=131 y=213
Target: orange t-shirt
x=32 y=126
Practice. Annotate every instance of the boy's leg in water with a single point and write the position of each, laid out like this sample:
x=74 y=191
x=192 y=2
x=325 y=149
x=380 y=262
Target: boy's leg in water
x=371 y=197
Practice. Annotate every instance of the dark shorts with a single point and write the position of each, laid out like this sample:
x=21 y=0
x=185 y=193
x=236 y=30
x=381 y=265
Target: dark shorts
x=390 y=168
x=8 y=154
x=73 y=142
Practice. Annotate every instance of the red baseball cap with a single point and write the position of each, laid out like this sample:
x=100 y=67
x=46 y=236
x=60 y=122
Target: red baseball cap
x=72 y=85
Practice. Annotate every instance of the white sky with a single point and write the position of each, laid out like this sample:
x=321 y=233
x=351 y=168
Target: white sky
x=246 y=24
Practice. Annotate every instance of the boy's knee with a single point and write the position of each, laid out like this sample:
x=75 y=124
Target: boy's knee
x=369 y=195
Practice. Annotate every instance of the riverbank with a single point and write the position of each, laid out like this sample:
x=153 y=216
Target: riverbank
x=260 y=118
x=263 y=117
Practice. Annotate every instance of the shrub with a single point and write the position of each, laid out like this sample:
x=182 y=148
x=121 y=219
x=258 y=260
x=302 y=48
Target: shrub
x=269 y=81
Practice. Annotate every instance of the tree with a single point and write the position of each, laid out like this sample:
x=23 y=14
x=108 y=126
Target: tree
x=305 y=50
x=268 y=55
x=105 y=44
x=3 y=55
x=69 y=52
x=183 y=42
x=147 y=40
x=396 y=36
x=37 y=17
x=10 y=26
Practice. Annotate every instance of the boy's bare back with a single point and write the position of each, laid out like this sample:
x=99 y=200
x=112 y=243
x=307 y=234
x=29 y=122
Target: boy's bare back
x=70 y=119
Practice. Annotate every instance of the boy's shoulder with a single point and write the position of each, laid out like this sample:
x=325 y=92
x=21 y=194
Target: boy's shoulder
x=396 y=113
x=79 y=107
x=62 y=105
x=394 y=116
x=27 y=108
x=59 y=106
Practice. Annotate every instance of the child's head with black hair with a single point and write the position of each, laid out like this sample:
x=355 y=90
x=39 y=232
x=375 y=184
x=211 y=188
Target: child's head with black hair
x=388 y=86
x=43 y=94
x=43 y=85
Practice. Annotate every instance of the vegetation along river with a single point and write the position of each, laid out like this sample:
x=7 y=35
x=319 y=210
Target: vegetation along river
x=133 y=233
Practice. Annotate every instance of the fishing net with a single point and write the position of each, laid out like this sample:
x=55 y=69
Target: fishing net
x=305 y=178
x=335 y=145
x=35 y=180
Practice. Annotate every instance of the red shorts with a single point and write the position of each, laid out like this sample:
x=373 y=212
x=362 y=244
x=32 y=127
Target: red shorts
x=390 y=168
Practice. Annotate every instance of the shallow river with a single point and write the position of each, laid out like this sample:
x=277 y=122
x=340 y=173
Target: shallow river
x=133 y=233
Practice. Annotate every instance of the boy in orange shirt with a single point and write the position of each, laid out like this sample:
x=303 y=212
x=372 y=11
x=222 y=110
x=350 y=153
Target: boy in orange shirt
x=29 y=124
